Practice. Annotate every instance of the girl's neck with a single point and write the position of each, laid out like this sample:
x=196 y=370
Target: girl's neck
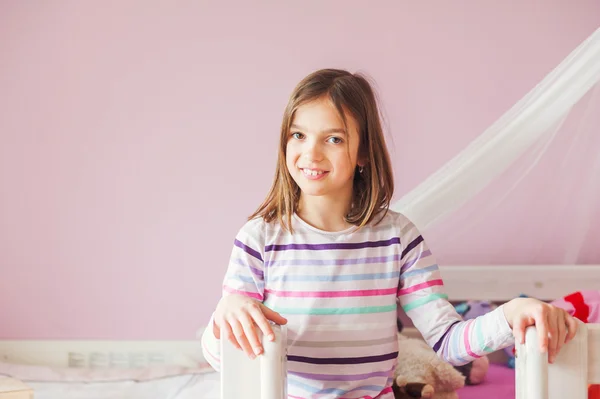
x=324 y=212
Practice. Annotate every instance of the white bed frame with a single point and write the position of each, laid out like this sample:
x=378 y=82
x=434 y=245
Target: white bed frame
x=577 y=365
x=498 y=283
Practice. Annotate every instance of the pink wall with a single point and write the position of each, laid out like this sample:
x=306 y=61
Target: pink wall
x=136 y=139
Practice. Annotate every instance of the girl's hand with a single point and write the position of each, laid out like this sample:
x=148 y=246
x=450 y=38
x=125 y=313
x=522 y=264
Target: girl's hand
x=555 y=326
x=236 y=317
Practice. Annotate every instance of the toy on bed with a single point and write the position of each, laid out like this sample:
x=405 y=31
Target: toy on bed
x=421 y=373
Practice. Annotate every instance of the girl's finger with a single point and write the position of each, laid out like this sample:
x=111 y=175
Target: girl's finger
x=541 y=324
x=272 y=315
x=562 y=331
x=227 y=334
x=250 y=332
x=262 y=323
x=519 y=330
x=553 y=320
x=572 y=325
x=240 y=336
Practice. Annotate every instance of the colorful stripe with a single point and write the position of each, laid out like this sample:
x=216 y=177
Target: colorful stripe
x=438 y=344
x=412 y=245
x=422 y=301
x=343 y=344
x=335 y=311
x=385 y=391
x=417 y=272
x=240 y=262
x=326 y=247
x=419 y=287
x=454 y=343
x=336 y=391
x=332 y=278
x=466 y=341
x=407 y=265
x=480 y=338
x=333 y=262
x=254 y=295
x=342 y=377
x=331 y=294
x=342 y=360
x=252 y=252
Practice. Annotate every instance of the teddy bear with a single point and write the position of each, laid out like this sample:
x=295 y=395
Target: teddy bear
x=421 y=373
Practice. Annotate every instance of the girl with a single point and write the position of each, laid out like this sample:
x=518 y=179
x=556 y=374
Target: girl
x=325 y=255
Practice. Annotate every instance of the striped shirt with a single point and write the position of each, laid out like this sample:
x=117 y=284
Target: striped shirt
x=339 y=292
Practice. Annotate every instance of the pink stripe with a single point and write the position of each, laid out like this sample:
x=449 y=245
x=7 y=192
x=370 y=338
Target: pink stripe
x=420 y=286
x=331 y=294
x=386 y=390
x=216 y=359
x=379 y=395
x=254 y=295
x=466 y=339
x=294 y=397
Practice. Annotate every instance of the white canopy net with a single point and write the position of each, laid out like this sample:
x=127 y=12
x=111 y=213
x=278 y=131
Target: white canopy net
x=536 y=169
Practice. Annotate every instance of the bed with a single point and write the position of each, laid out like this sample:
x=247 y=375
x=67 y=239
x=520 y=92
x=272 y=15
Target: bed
x=176 y=369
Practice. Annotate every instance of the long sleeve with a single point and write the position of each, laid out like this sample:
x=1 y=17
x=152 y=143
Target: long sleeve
x=421 y=295
x=244 y=276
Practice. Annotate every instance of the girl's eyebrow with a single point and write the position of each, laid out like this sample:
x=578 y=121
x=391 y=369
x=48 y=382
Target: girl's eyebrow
x=326 y=131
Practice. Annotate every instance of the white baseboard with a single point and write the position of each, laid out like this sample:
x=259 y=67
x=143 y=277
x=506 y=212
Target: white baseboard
x=102 y=354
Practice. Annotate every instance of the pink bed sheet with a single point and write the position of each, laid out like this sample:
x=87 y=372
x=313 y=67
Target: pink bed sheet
x=499 y=384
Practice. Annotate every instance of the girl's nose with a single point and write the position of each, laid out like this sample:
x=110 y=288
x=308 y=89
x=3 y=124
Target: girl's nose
x=313 y=152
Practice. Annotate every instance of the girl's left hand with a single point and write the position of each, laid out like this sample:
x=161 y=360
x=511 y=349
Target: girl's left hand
x=554 y=325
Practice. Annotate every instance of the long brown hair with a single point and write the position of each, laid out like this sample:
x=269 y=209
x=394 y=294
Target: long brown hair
x=374 y=186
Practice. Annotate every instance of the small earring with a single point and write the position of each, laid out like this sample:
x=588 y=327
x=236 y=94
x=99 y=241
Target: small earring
x=360 y=169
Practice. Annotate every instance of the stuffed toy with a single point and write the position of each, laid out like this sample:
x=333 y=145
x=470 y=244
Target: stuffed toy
x=583 y=305
x=421 y=373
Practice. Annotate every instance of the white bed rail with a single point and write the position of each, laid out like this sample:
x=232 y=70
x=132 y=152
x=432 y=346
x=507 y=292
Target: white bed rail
x=576 y=366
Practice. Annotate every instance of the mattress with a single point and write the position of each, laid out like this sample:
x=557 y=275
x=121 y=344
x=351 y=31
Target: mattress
x=181 y=383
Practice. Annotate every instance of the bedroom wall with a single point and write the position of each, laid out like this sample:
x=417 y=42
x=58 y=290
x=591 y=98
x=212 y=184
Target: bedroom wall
x=136 y=138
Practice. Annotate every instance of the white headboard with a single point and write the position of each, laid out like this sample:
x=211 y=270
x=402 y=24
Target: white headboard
x=504 y=282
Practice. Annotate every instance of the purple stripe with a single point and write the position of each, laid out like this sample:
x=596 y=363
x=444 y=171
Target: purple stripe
x=408 y=264
x=257 y=272
x=248 y=250
x=342 y=377
x=412 y=245
x=437 y=345
x=331 y=262
x=342 y=360
x=350 y=245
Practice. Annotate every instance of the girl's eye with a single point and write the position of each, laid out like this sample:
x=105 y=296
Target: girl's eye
x=297 y=135
x=335 y=140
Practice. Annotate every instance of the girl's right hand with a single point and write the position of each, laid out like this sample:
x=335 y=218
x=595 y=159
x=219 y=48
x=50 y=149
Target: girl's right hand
x=235 y=319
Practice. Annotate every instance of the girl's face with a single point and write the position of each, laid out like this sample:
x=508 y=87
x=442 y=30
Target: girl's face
x=321 y=154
